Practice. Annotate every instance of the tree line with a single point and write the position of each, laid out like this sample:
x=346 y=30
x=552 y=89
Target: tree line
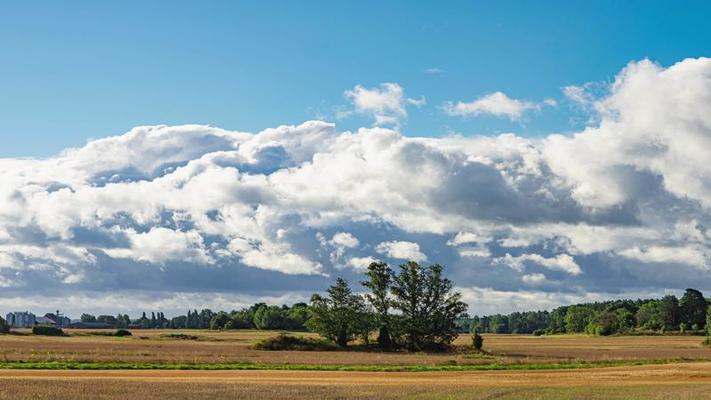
x=413 y=308
x=605 y=318
x=258 y=316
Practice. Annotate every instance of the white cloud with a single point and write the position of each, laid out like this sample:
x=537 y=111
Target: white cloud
x=561 y=262
x=533 y=279
x=497 y=104
x=361 y=263
x=344 y=239
x=386 y=104
x=622 y=203
x=161 y=245
x=401 y=250
x=669 y=255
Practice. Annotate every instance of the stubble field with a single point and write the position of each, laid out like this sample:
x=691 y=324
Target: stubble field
x=677 y=367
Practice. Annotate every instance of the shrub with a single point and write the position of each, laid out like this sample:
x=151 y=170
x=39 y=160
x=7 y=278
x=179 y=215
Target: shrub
x=122 y=333
x=539 y=332
x=300 y=343
x=47 y=330
x=477 y=341
x=179 y=336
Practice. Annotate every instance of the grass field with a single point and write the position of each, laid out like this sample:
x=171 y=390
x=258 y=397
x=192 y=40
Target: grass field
x=585 y=368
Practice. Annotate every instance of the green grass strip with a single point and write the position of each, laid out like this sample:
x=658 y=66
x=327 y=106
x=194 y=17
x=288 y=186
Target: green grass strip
x=77 y=365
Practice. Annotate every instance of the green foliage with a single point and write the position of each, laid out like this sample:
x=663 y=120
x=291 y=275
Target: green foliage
x=298 y=343
x=477 y=341
x=122 y=333
x=271 y=317
x=341 y=316
x=660 y=314
x=603 y=324
x=577 y=318
x=379 y=280
x=539 y=332
x=47 y=330
x=179 y=336
x=428 y=307
x=88 y=318
x=693 y=308
x=4 y=326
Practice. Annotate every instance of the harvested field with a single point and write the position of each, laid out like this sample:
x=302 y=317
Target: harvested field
x=236 y=347
x=679 y=381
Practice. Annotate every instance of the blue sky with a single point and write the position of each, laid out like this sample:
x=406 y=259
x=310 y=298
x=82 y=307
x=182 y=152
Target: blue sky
x=166 y=155
x=71 y=71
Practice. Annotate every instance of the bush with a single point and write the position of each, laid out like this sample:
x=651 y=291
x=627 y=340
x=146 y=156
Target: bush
x=477 y=341
x=539 y=332
x=179 y=336
x=122 y=333
x=299 y=343
x=47 y=330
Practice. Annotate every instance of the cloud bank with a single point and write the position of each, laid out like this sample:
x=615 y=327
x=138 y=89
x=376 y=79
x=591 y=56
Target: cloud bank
x=619 y=207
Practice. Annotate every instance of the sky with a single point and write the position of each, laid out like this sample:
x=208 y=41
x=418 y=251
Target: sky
x=166 y=155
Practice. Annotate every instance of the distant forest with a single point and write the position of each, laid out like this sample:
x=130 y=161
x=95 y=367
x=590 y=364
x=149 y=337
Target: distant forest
x=426 y=313
x=669 y=313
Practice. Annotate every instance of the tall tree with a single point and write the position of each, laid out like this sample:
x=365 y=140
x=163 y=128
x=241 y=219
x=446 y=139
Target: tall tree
x=87 y=318
x=379 y=278
x=341 y=316
x=693 y=308
x=428 y=307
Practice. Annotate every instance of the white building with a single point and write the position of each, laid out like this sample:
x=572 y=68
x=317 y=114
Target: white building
x=21 y=319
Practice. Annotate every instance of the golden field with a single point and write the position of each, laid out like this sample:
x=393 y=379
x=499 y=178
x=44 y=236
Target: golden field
x=236 y=347
x=662 y=381
x=671 y=381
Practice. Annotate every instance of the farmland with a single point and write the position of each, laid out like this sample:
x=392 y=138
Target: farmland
x=584 y=367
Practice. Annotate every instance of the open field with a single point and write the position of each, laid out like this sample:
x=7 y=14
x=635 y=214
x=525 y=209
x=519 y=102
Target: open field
x=236 y=347
x=678 y=381
x=523 y=355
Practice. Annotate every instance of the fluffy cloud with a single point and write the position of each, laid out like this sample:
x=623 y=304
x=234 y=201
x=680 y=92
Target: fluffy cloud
x=621 y=206
x=497 y=104
x=401 y=250
x=386 y=104
x=561 y=262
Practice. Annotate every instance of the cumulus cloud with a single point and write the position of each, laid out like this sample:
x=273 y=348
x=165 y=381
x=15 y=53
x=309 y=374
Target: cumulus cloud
x=621 y=205
x=386 y=103
x=401 y=250
x=497 y=104
x=561 y=262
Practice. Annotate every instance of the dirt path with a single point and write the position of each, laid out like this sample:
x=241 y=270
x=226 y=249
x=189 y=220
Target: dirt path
x=676 y=374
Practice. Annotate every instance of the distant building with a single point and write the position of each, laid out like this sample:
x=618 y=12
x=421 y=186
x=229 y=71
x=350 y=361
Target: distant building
x=21 y=319
x=90 y=325
x=57 y=319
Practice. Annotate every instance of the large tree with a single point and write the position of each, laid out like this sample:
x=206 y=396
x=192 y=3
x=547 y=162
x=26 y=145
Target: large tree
x=341 y=316
x=428 y=307
x=693 y=308
x=379 y=278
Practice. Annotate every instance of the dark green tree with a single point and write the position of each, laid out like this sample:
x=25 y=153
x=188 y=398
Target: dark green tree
x=693 y=308
x=477 y=340
x=271 y=317
x=87 y=318
x=219 y=320
x=577 y=318
x=428 y=307
x=340 y=316
x=379 y=278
